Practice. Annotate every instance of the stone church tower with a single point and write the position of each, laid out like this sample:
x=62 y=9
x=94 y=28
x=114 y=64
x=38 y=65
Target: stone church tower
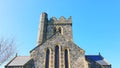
x=56 y=49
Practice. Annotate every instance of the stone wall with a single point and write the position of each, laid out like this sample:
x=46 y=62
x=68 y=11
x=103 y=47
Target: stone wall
x=38 y=54
x=66 y=30
x=46 y=27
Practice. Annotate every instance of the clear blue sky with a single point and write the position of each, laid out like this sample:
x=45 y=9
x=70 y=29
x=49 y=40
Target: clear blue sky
x=96 y=24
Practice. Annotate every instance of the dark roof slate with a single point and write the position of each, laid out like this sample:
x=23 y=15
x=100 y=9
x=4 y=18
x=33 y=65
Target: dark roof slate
x=97 y=58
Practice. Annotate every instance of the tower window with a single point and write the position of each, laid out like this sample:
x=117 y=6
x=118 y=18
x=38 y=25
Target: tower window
x=54 y=30
x=47 y=58
x=57 y=57
x=59 y=29
x=66 y=58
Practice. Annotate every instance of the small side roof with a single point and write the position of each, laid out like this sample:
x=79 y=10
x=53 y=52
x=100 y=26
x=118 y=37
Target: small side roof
x=19 y=61
x=97 y=58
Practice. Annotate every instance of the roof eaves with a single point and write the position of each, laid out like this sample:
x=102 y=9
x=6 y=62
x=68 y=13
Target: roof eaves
x=10 y=61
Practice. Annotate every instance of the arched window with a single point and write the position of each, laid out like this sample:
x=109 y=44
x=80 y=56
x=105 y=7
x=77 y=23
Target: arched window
x=66 y=58
x=59 y=29
x=57 y=57
x=47 y=58
x=54 y=31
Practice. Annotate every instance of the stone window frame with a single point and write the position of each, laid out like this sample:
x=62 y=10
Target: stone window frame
x=59 y=55
x=45 y=51
x=58 y=29
x=66 y=48
x=54 y=30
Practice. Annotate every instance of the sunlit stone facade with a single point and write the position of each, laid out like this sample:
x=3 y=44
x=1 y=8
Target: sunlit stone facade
x=56 y=49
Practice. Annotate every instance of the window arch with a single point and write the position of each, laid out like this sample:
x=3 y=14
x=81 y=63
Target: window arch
x=66 y=58
x=56 y=56
x=47 y=58
x=54 y=30
x=59 y=29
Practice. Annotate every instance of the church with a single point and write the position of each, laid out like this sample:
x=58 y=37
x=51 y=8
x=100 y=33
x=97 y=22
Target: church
x=55 y=48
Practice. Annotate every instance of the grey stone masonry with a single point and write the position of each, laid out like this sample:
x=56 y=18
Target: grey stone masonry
x=54 y=33
x=56 y=49
x=76 y=53
x=46 y=27
x=58 y=33
x=42 y=28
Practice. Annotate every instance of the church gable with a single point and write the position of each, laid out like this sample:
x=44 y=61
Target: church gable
x=57 y=40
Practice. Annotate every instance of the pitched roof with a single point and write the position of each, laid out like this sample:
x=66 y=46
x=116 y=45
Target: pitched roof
x=19 y=61
x=97 y=58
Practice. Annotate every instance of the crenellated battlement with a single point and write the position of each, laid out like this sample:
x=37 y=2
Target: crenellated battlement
x=62 y=19
x=48 y=27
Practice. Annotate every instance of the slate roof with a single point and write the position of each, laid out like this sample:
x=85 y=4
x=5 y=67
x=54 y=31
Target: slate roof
x=97 y=58
x=19 y=61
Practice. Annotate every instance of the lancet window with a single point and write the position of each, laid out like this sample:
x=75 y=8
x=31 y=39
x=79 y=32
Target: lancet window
x=66 y=58
x=56 y=56
x=47 y=58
